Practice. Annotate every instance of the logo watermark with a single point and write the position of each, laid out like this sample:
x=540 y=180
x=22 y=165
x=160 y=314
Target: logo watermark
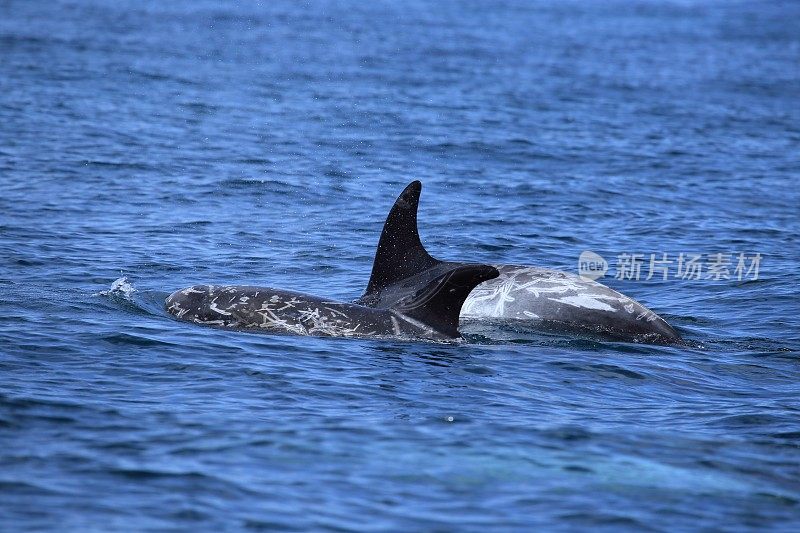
x=591 y=265
x=738 y=266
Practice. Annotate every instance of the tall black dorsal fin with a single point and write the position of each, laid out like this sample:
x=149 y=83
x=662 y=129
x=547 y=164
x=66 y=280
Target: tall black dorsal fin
x=400 y=253
x=438 y=304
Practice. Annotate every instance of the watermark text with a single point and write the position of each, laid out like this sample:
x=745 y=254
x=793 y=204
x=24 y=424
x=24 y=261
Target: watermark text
x=739 y=266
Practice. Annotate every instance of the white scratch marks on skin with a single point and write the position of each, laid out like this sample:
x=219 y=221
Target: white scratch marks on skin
x=216 y=309
x=516 y=285
x=583 y=300
x=422 y=326
x=191 y=290
x=268 y=310
x=647 y=315
x=336 y=312
x=309 y=315
x=288 y=304
x=535 y=293
x=177 y=310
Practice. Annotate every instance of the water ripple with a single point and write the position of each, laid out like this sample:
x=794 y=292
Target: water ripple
x=165 y=144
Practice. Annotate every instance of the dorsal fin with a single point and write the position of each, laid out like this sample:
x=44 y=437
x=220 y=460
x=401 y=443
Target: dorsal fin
x=400 y=253
x=438 y=304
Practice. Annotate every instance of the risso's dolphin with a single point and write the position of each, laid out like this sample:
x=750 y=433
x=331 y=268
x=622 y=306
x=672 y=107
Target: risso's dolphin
x=430 y=310
x=536 y=296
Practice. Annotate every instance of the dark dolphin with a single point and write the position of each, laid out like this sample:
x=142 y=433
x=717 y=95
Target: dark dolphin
x=430 y=310
x=533 y=295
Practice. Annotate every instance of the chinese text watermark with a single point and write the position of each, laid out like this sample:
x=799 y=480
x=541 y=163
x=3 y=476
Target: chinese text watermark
x=738 y=266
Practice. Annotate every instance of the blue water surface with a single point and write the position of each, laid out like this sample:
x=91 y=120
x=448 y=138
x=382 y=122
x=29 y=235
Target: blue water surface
x=183 y=142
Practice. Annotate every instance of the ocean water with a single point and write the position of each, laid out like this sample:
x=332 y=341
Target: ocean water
x=148 y=146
